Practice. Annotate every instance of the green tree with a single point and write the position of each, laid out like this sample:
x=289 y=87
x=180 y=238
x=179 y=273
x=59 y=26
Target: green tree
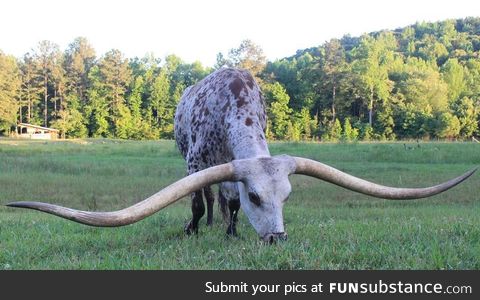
x=31 y=88
x=333 y=132
x=124 y=124
x=46 y=56
x=454 y=76
x=407 y=40
x=466 y=112
x=472 y=78
x=160 y=95
x=248 y=56
x=115 y=75
x=97 y=108
x=366 y=133
x=386 y=123
x=333 y=68
x=277 y=108
x=298 y=78
x=293 y=131
x=9 y=90
x=58 y=86
x=306 y=124
x=71 y=122
x=79 y=58
x=446 y=125
x=134 y=103
x=413 y=122
x=220 y=62
x=423 y=86
x=431 y=50
x=371 y=68
x=349 y=134
x=447 y=33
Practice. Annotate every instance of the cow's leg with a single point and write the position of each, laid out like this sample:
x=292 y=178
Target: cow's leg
x=207 y=191
x=234 y=207
x=198 y=210
x=223 y=202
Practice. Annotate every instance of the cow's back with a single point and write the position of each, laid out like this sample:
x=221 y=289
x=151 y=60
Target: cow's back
x=220 y=118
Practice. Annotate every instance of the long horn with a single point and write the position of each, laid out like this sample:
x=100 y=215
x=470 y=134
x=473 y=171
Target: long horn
x=143 y=209
x=321 y=171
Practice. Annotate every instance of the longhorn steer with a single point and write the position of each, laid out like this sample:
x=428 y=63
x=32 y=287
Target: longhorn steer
x=219 y=120
x=219 y=127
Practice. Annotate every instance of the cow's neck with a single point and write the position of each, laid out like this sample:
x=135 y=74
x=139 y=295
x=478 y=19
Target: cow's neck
x=249 y=146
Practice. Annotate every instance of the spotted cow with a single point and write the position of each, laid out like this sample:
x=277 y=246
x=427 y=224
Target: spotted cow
x=220 y=119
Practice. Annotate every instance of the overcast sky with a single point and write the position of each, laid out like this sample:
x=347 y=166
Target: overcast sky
x=199 y=29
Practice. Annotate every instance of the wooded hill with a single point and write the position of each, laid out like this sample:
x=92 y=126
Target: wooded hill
x=422 y=81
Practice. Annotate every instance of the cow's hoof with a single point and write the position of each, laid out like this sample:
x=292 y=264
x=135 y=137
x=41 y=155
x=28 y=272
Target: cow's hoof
x=231 y=231
x=189 y=228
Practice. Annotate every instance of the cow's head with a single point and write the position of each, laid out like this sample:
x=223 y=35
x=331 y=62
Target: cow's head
x=263 y=185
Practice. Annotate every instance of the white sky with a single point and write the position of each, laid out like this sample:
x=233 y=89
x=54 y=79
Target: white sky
x=199 y=29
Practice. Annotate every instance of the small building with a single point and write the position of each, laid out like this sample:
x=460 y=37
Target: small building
x=30 y=131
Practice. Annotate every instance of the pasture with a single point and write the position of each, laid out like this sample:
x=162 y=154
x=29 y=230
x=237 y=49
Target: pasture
x=329 y=227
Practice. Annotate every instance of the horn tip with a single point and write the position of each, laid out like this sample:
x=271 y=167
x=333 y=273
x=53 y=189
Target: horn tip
x=467 y=175
x=472 y=171
x=23 y=204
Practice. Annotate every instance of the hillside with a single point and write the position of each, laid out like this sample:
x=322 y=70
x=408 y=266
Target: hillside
x=421 y=81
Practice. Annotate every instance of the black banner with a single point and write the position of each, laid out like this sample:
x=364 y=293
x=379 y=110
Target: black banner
x=241 y=284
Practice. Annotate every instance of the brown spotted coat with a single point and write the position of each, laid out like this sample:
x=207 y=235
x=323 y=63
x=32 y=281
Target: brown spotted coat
x=221 y=118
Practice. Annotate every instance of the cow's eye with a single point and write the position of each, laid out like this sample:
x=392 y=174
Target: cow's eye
x=254 y=198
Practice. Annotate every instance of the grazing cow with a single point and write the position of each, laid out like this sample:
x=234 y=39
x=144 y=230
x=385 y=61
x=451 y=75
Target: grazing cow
x=220 y=119
x=219 y=127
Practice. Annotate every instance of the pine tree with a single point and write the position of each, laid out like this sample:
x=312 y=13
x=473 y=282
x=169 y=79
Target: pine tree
x=46 y=57
x=30 y=91
x=115 y=74
x=333 y=69
x=306 y=124
x=97 y=109
x=349 y=134
x=248 y=56
x=79 y=58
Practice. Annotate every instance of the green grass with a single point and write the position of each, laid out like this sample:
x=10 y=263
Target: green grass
x=329 y=227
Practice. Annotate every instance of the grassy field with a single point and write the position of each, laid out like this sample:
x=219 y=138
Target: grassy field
x=329 y=227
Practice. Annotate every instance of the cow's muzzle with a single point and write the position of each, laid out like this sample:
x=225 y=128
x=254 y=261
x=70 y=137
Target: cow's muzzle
x=272 y=238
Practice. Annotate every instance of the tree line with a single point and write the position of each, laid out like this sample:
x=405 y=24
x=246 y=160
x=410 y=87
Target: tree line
x=85 y=96
x=421 y=81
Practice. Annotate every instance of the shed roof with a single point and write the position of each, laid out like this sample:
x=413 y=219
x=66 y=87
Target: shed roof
x=37 y=127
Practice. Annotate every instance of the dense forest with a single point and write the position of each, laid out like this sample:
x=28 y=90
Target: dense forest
x=418 y=82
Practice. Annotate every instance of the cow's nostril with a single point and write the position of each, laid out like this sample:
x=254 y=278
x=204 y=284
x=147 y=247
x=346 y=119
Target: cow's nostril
x=272 y=238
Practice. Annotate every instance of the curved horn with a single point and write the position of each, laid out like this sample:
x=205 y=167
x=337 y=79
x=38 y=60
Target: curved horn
x=321 y=171
x=143 y=209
